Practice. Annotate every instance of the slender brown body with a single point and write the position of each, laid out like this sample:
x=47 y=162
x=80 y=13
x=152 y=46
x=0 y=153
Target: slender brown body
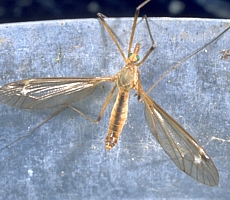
x=127 y=79
x=180 y=146
x=117 y=119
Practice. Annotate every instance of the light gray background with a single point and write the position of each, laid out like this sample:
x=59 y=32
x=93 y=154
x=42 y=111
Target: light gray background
x=66 y=158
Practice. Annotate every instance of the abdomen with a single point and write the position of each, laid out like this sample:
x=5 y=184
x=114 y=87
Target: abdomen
x=117 y=119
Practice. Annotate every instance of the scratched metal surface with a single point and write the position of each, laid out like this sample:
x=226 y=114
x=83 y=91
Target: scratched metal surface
x=66 y=157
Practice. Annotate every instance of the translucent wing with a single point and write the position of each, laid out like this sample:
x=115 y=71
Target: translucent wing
x=181 y=147
x=47 y=92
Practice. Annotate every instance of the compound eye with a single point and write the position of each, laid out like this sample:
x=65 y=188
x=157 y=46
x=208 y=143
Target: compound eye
x=137 y=56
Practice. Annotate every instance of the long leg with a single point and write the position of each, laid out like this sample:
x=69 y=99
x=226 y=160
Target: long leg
x=135 y=24
x=185 y=59
x=153 y=43
x=58 y=111
x=101 y=17
x=102 y=110
x=33 y=129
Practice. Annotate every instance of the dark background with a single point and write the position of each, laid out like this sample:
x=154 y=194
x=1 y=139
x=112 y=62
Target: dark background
x=33 y=10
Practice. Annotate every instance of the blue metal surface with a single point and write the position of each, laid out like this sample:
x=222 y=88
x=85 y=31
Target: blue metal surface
x=66 y=157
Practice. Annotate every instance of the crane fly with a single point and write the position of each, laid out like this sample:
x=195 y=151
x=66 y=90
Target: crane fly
x=181 y=147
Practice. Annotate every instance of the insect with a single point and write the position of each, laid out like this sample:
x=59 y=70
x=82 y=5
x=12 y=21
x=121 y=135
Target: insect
x=181 y=147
